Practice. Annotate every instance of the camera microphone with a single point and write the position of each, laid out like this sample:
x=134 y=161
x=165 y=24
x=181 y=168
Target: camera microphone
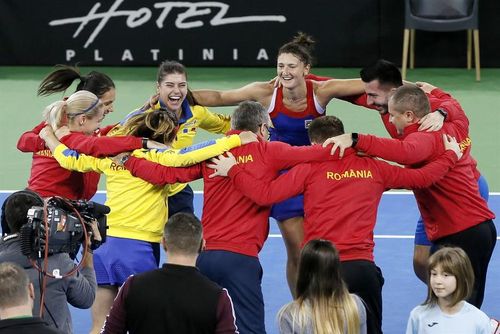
x=26 y=238
x=101 y=209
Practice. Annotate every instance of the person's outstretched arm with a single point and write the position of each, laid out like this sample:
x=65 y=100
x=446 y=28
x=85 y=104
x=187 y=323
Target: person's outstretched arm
x=160 y=175
x=409 y=178
x=263 y=193
x=30 y=141
x=196 y=153
x=216 y=98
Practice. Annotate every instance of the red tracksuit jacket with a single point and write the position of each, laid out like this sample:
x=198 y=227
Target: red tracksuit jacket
x=48 y=178
x=340 y=197
x=453 y=204
x=439 y=100
x=231 y=221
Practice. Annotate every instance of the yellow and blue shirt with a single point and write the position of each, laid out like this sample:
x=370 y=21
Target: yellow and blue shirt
x=139 y=209
x=192 y=118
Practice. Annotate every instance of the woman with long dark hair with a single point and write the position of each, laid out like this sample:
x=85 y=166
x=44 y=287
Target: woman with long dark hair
x=63 y=76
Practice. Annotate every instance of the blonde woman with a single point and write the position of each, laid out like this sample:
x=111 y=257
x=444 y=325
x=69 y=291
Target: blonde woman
x=323 y=304
x=76 y=118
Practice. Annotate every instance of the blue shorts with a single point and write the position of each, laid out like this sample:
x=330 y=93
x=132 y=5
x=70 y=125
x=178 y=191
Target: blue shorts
x=289 y=208
x=181 y=202
x=420 y=235
x=241 y=275
x=118 y=258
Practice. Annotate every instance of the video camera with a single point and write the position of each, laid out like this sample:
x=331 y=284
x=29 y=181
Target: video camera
x=64 y=228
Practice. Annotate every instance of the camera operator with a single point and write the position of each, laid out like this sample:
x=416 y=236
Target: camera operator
x=78 y=289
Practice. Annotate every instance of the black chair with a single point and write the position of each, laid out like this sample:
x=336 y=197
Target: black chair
x=441 y=15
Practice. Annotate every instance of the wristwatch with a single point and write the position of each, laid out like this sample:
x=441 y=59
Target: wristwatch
x=354 y=137
x=443 y=113
x=124 y=159
x=144 y=143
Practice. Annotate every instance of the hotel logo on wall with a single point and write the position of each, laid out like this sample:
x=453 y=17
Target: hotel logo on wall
x=197 y=33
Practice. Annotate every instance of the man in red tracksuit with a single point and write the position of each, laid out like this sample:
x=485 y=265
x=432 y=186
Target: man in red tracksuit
x=453 y=211
x=235 y=228
x=380 y=79
x=340 y=204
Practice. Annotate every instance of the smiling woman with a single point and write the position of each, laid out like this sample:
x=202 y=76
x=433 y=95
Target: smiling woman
x=173 y=94
x=292 y=105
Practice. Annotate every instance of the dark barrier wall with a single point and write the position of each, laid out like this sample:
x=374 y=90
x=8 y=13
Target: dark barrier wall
x=440 y=49
x=223 y=33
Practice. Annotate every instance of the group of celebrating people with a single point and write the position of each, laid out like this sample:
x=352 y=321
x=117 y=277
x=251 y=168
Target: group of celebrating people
x=281 y=157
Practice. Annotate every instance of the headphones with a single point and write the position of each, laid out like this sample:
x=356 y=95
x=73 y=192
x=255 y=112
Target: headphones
x=29 y=193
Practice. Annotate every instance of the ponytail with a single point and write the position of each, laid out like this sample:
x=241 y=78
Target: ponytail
x=300 y=46
x=60 y=113
x=55 y=114
x=304 y=40
x=59 y=80
x=63 y=77
x=160 y=125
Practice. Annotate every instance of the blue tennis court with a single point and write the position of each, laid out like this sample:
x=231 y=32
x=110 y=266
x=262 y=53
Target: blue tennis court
x=393 y=253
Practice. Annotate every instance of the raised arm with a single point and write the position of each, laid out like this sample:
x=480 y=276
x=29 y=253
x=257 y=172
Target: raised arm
x=262 y=193
x=30 y=141
x=196 y=153
x=256 y=91
x=101 y=146
x=397 y=177
x=72 y=160
x=214 y=122
x=161 y=175
x=358 y=99
x=455 y=115
x=413 y=149
x=283 y=156
x=265 y=193
x=49 y=139
x=444 y=108
x=337 y=88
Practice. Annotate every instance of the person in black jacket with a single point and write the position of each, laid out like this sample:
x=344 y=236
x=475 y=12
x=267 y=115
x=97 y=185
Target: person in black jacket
x=176 y=298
